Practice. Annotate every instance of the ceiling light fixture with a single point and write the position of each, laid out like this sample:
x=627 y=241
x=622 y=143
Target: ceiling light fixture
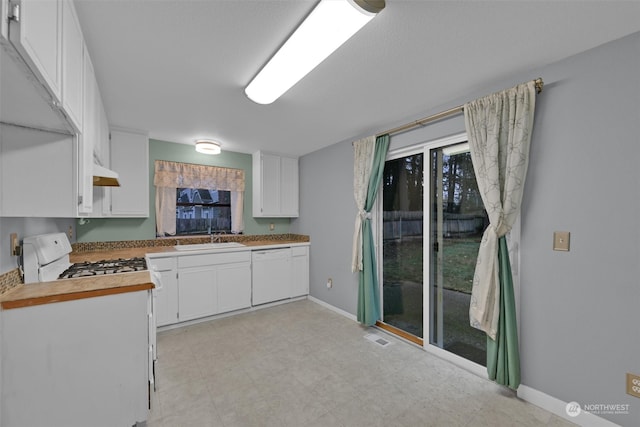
x=208 y=146
x=327 y=27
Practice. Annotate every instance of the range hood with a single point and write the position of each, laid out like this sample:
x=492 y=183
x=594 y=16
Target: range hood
x=103 y=177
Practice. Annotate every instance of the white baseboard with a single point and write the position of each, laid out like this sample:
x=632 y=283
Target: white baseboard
x=333 y=308
x=559 y=408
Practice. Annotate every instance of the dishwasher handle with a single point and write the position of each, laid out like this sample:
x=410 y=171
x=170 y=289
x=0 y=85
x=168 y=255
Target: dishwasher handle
x=268 y=254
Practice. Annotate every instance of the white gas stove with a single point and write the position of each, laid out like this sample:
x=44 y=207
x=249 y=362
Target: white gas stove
x=46 y=258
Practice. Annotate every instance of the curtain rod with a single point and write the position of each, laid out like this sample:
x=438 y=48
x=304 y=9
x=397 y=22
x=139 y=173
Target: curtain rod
x=456 y=110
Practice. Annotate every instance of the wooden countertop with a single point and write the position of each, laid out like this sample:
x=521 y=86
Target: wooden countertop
x=72 y=289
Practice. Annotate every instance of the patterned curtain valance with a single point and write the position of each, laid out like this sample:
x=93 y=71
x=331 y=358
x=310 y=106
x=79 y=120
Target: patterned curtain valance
x=180 y=175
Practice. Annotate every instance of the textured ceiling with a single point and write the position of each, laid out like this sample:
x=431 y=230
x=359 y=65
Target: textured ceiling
x=178 y=69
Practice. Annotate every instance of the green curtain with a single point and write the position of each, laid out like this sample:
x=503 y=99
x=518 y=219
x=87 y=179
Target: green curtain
x=368 y=296
x=503 y=356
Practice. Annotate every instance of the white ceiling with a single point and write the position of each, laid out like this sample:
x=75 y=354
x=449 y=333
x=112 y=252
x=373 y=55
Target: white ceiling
x=178 y=69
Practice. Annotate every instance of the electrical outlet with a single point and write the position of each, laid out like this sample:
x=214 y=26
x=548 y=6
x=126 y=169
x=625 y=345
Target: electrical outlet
x=70 y=232
x=15 y=247
x=329 y=283
x=272 y=226
x=633 y=385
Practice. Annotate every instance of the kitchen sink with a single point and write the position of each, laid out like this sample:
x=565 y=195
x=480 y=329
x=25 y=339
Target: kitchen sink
x=201 y=246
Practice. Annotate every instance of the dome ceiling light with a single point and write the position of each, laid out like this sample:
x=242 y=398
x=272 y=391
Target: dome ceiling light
x=208 y=146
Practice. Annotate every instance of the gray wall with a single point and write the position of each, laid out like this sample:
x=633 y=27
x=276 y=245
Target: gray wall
x=579 y=327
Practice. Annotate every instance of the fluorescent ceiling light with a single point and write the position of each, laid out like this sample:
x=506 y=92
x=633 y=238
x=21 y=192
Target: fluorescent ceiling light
x=208 y=146
x=329 y=25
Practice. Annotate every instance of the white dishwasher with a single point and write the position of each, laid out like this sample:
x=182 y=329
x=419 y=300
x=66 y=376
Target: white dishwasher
x=271 y=270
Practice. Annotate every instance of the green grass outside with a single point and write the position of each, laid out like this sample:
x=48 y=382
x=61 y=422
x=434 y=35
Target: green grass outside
x=403 y=261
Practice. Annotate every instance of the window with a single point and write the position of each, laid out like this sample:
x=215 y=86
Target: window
x=202 y=211
x=184 y=194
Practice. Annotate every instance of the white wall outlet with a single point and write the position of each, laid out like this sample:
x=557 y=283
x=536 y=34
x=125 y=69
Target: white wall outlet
x=329 y=283
x=272 y=226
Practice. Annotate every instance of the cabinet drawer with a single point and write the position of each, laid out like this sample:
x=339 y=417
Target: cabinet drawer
x=162 y=264
x=299 y=250
x=213 y=259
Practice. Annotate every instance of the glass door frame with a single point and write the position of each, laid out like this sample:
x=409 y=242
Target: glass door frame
x=513 y=240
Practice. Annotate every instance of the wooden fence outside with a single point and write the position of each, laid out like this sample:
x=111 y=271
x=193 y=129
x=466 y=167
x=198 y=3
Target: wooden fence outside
x=406 y=224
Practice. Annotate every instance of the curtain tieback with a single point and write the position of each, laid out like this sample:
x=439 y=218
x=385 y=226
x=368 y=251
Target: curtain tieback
x=365 y=215
x=501 y=229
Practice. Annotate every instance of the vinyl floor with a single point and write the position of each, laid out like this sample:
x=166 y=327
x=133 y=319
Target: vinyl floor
x=302 y=365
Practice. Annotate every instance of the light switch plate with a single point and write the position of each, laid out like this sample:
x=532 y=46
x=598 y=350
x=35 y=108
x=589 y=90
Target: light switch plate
x=561 y=240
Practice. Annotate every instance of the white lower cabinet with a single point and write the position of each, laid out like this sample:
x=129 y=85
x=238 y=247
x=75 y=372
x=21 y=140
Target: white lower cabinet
x=79 y=362
x=195 y=286
x=213 y=283
x=299 y=271
x=197 y=292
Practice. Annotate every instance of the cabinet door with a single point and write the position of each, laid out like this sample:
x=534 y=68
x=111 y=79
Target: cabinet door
x=72 y=64
x=289 y=186
x=234 y=287
x=166 y=308
x=197 y=292
x=37 y=37
x=275 y=186
x=300 y=272
x=130 y=159
x=270 y=185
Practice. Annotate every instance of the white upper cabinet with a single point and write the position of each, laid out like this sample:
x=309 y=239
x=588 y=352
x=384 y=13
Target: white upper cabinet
x=289 y=186
x=275 y=186
x=129 y=155
x=42 y=65
x=72 y=65
x=35 y=32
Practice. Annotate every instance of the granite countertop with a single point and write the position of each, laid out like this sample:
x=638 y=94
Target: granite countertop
x=99 y=255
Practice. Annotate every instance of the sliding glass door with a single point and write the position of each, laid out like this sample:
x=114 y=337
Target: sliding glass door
x=403 y=253
x=457 y=221
x=432 y=223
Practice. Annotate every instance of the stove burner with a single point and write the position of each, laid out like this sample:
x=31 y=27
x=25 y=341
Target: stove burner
x=121 y=265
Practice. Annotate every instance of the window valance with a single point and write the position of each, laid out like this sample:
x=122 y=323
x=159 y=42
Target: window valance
x=181 y=175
